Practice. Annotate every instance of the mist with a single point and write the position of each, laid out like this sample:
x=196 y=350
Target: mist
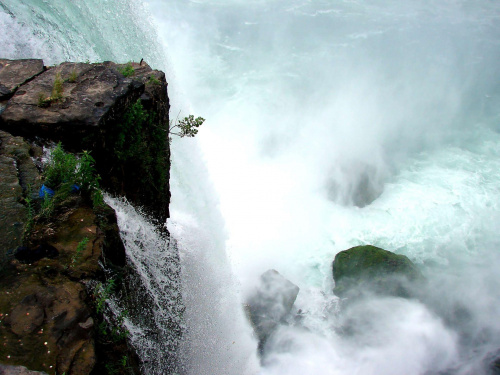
x=334 y=124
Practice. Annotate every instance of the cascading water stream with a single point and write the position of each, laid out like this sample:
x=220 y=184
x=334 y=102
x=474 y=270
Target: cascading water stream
x=154 y=301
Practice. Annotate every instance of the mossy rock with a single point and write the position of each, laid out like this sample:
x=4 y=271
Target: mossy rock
x=372 y=269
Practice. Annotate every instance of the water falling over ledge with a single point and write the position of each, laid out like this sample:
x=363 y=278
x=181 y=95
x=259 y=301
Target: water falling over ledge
x=153 y=288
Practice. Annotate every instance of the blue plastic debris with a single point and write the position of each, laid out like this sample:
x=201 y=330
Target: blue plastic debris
x=45 y=191
x=75 y=188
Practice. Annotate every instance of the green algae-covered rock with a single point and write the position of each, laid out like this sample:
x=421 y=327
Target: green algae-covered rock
x=372 y=269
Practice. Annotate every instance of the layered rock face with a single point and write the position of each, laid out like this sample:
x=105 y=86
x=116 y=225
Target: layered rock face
x=14 y=73
x=51 y=317
x=17 y=172
x=86 y=107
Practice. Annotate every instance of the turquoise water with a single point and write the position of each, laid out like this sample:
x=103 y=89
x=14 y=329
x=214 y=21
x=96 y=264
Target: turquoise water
x=329 y=124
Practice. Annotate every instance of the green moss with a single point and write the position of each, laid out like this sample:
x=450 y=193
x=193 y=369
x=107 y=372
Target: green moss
x=153 y=80
x=139 y=145
x=128 y=70
x=372 y=268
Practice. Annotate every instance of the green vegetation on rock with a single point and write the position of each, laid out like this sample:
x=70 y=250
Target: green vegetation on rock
x=64 y=173
x=57 y=89
x=153 y=80
x=65 y=170
x=45 y=101
x=187 y=127
x=79 y=249
x=369 y=268
x=128 y=70
x=139 y=154
x=73 y=76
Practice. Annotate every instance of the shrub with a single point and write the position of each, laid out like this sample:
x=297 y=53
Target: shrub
x=64 y=174
x=57 y=89
x=128 y=70
x=188 y=126
x=65 y=170
x=73 y=76
x=61 y=169
x=86 y=175
x=43 y=100
x=79 y=249
x=102 y=293
x=153 y=80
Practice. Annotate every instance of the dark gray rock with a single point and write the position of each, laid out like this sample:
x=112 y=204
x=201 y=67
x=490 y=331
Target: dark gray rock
x=14 y=73
x=491 y=363
x=92 y=95
x=53 y=309
x=88 y=111
x=30 y=255
x=354 y=183
x=17 y=171
x=270 y=303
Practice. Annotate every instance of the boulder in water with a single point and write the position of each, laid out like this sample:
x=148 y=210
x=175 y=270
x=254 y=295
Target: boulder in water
x=270 y=303
x=369 y=268
x=354 y=183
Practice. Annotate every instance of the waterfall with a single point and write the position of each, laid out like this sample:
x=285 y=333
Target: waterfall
x=154 y=301
x=329 y=124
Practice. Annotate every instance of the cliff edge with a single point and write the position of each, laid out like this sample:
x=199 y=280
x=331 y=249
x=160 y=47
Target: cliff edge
x=60 y=250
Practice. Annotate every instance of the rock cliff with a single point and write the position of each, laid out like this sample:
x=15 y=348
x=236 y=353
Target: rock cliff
x=57 y=255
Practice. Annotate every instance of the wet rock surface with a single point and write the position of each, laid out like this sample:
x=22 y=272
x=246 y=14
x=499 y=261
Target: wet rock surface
x=14 y=73
x=354 y=183
x=371 y=269
x=51 y=265
x=45 y=309
x=91 y=95
x=25 y=254
x=17 y=172
x=83 y=106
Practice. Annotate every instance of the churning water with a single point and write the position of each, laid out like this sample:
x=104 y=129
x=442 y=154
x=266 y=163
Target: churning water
x=330 y=123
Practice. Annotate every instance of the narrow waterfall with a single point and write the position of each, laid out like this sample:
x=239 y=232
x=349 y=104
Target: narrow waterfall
x=153 y=290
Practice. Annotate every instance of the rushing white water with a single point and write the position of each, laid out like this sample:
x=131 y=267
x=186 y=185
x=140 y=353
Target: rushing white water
x=337 y=123
x=154 y=291
x=329 y=124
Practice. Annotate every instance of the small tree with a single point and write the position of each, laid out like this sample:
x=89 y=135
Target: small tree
x=187 y=127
